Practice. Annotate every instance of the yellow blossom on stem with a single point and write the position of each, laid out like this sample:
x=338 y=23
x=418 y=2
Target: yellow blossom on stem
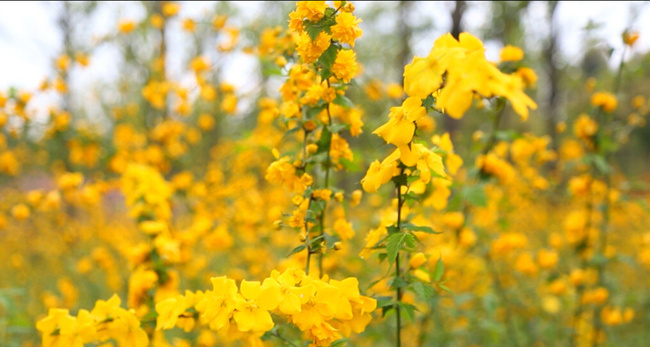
x=346 y=29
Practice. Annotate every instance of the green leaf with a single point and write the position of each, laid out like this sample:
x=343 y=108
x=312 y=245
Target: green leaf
x=349 y=165
x=336 y=128
x=394 y=244
x=386 y=309
x=409 y=311
x=383 y=301
x=409 y=240
x=424 y=291
x=326 y=60
x=398 y=282
x=439 y=270
x=424 y=229
x=339 y=342
x=445 y=288
x=317 y=206
x=428 y=102
x=317 y=158
x=311 y=112
x=296 y=250
x=400 y=180
x=506 y=135
x=601 y=164
x=312 y=29
x=342 y=100
x=324 y=141
x=475 y=195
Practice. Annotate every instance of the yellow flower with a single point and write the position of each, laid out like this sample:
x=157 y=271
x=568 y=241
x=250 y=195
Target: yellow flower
x=345 y=66
x=168 y=311
x=511 y=53
x=630 y=37
x=252 y=308
x=157 y=21
x=607 y=101
x=217 y=306
x=547 y=259
x=344 y=229
x=310 y=50
x=189 y=25
x=126 y=26
x=454 y=220
x=585 y=127
x=400 y=128
x=170 y=9
x=380 y=173
x=346 y=29
x=312 y=10
x=421 y=157
x=467 y=73
x=417 y=260
x=20 y=212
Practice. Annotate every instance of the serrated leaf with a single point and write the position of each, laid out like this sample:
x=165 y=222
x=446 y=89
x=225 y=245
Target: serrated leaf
x=424 y=291
x=394 y=244
x=312 y=29
x=326 y=60
x=409 y=240
x=409 y=311
x=445 y=288
x=438 y=271
x=398 y=282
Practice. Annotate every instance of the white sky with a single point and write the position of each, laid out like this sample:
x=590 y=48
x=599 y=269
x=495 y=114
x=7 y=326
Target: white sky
x=29 y=38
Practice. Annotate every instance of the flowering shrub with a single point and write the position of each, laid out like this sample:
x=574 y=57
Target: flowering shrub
x=186 y=223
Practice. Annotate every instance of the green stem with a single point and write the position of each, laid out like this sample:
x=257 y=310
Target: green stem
x=308 y=242
x=397 y=265
x=328 y=165
x=602 y=241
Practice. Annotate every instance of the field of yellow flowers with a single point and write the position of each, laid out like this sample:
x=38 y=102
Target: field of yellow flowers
x=183 y=224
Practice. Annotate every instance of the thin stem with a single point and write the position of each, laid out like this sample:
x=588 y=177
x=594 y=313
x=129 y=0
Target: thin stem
x=495 y=126
x=602 y=242
x=328 y=165
x=308 y=241
x=397 y=264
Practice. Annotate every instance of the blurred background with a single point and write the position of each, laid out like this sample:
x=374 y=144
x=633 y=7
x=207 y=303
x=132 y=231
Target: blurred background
x=191 y=88
x=566 y=43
